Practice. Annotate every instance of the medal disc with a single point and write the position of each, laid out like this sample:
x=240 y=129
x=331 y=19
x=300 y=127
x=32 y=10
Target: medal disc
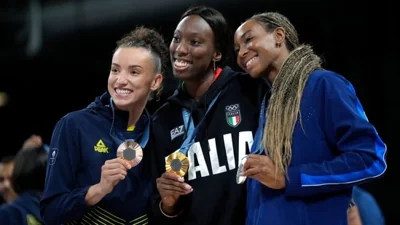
x=131 y=152
x=177 y=163
x=241 y=179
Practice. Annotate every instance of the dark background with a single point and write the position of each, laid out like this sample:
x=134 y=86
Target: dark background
x=55 y=58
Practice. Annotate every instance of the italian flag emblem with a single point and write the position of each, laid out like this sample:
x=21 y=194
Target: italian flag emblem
x=232 y=113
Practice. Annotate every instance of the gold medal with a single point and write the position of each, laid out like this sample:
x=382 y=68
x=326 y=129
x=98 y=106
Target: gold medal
x=177 y=163
x=241 y=179
x=131 y=152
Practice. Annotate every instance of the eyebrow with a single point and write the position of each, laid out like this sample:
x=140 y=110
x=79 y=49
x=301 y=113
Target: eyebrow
x=189 y=33
x=244 y=34
x=195 y=33
x=241 y=37
x=130 y=67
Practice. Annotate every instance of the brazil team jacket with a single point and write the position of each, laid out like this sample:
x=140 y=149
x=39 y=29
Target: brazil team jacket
x=80 y=145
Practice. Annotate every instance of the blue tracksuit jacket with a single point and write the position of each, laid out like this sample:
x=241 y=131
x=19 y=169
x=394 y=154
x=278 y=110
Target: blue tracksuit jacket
x=81 y=143
x=335 y=148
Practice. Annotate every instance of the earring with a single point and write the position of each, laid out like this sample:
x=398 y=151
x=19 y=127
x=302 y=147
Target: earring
x=277 y=44
x=214 y=65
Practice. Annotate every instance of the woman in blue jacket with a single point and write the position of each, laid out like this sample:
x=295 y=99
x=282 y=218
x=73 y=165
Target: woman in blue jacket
x=314 y=141
x=89 y=180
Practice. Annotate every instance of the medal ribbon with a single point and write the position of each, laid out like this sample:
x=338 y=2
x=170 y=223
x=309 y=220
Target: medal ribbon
x=191 y=130
x=143 y=138
x=257 y=146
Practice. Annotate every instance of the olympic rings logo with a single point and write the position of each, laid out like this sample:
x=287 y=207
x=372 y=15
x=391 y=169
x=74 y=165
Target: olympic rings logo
x=232 y=107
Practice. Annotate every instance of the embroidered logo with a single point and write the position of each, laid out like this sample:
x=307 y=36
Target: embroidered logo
x=176 y=132
x=53 y=156
x=232 y=113
x=101 y=147
x=31 y=220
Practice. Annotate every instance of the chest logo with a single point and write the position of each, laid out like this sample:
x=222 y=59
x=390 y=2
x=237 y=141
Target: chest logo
x=176 y=132
x=101 y=147
x=232 y=114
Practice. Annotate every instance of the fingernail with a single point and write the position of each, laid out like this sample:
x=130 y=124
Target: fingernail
x=181 y=179
x=188 y=187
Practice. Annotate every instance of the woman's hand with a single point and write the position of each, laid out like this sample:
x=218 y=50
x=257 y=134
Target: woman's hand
x=171 y=186
x=261 y=168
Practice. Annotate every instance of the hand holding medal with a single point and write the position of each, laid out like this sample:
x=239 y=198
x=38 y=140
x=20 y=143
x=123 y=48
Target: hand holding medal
x=112 y=172
x=261 y=168
x=171 y=184
x=258 y=166
x=129 y=154
x=128 y=149
x=257 y=146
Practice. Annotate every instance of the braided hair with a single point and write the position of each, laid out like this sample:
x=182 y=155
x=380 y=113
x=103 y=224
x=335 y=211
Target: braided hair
x=287 y=90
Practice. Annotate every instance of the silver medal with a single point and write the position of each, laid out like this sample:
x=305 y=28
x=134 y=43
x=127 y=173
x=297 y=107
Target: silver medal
x=241 y=179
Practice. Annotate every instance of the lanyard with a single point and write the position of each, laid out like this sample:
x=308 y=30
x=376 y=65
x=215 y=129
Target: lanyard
x=144 y=136
x=191 y=130
x=257 y=146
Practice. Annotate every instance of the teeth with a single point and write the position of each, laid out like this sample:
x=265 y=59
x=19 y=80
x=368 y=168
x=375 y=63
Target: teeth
x=123 y=91
x=180 y=63
x=250 y=61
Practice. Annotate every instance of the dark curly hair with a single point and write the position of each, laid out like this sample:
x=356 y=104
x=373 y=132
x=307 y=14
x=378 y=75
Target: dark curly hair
x=150 y=39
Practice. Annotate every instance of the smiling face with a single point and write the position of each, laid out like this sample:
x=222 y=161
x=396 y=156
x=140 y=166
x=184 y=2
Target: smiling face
x=258 y=51
x=192 y=49
x=132 y=77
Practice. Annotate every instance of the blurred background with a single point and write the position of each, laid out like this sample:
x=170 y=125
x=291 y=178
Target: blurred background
x=55 y=58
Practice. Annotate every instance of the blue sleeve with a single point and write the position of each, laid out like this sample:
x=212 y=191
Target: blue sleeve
x=368 y=208
x=62 y=199
x=10 y=216
x=360 y=151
